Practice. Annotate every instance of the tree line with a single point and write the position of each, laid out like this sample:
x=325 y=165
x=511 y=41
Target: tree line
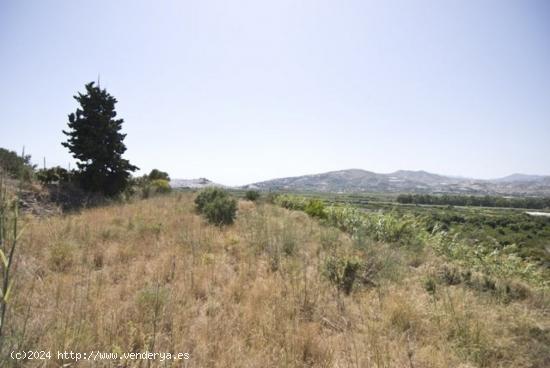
x=480 y=201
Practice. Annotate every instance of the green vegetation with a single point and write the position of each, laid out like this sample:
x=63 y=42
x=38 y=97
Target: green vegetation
x=510 y=232
x=312 y=206
x=96 y=142
x=315 y=208
x=291 y=202
x=161 y=185
x=61 y=187
x=158 y=175
x=208 y=195
x=217 y=206
x=342 y=272
x=252 y=195
x=156 y=182
x=485 y=201
x=55 y=174
x=501 y=245
x=16 y=166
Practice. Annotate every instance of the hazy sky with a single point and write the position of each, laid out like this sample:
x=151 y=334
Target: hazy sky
x=242 y=91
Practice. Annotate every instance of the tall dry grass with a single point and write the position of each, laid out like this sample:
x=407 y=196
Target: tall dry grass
x=153 y=275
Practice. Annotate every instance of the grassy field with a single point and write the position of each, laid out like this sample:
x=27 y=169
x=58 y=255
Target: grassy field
x=276 y=289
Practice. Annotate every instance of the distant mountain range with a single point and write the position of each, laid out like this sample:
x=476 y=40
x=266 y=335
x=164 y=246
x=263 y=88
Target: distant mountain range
x=521 y=178
x=405 y=181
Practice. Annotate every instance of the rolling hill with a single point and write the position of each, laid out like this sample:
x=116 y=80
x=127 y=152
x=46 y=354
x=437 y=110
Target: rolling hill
x=357 y=180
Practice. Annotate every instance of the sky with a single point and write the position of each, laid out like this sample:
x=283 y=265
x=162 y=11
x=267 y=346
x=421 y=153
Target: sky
x=244 y=91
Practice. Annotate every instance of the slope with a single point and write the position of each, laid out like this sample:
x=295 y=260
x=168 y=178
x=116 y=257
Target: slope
x=268 y=291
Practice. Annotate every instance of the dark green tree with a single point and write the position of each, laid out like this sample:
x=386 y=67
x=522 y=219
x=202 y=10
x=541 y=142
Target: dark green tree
x=252 y=195
x=96 y=142
x=157 y=174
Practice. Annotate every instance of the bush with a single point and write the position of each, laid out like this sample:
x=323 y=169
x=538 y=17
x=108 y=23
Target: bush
x=216 y=205
x=347 y=218
x=55 y=174
x=157 y=174
x=146 y=191
x=161 y=186
x=430 y=285
x=208 y=195
x=15 y=165
x=252 y=195
x=389 y=228
x=148 y=185
x=342 y=272
x=221 y=211
x=315 y=208
x=291 y=202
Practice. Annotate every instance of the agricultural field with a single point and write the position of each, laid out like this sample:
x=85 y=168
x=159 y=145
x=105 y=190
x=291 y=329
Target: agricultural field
x=493 y=228
x=502 y=232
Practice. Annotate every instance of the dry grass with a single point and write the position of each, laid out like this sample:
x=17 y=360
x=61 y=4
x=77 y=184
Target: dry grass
x=152 y=275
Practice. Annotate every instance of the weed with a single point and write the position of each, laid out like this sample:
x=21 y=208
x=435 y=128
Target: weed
x=342 y=272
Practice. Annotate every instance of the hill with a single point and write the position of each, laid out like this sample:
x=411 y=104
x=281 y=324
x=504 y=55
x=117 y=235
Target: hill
x=272 y=290
x=514 y=178
x=356 y=180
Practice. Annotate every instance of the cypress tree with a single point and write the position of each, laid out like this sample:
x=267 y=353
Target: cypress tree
x=95 y=141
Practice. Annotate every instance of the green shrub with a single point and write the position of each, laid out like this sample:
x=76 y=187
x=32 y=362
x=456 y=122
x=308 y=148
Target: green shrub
x=430 y=285
x=502 y=264
x=379 y=227
x=315 y=208
x=217 y=206
x=208 y=195
x=55 y=174
x=347 y=218
x=157 y=182
x=161 y=186
x=449 y=275
x=388 y=228
x=146 y=191
x=342 y=272
x=291 y=202
x=252 y=195
x=221 y=211
x=157 y=174
x=15 y=165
